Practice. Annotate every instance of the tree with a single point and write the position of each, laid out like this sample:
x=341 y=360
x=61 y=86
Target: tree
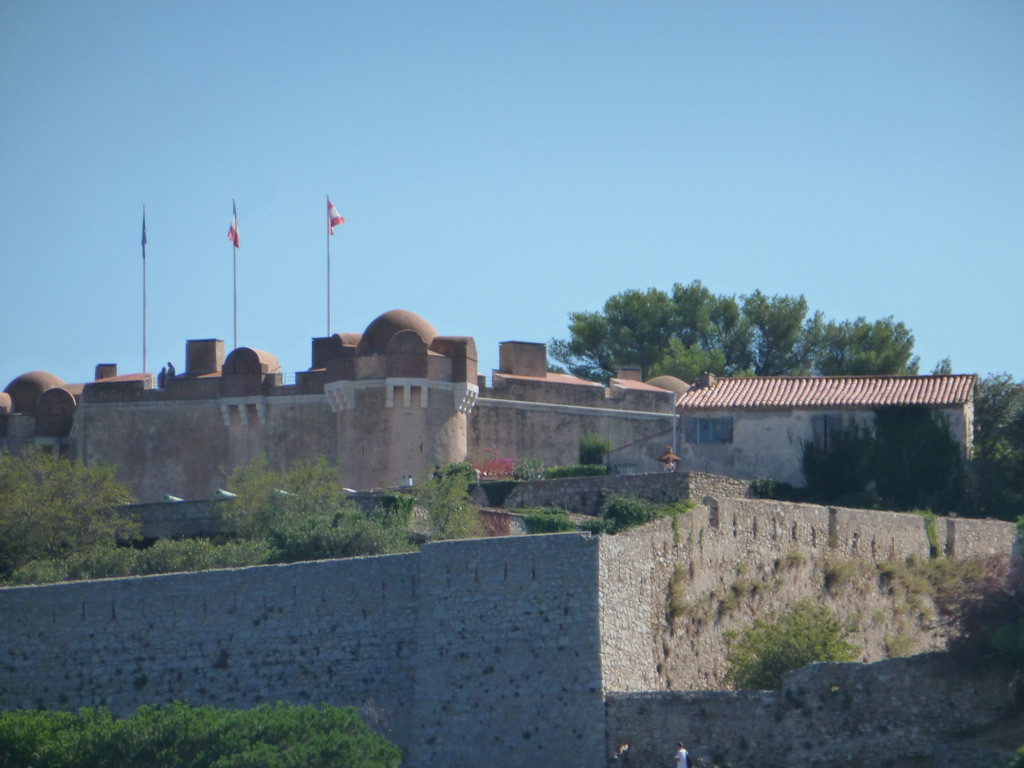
x=998 y=462
x=694 y=330
x=633 y=330
x=778 y=341
x=50 y=507
x=862 y=348
x=760 y=655
x=305 y=514
x=445 y=495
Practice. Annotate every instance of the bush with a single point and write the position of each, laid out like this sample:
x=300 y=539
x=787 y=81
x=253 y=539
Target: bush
x=577 y=470
x=622 y=512
x=546 y=521
x=770 y=647
x=528 y=468
x=177 y=734
x=593 y=448
x=446 y=499
x=52 y=507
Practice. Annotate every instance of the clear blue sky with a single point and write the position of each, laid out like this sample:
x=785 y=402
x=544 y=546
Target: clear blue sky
x=501 y=165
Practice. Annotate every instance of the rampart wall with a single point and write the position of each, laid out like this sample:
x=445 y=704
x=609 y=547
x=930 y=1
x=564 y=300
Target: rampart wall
x=491 y=651
x=467 y=653
x=824 y=715
x=730 y=560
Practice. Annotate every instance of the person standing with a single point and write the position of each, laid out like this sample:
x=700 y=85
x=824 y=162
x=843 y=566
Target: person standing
x=682 y=756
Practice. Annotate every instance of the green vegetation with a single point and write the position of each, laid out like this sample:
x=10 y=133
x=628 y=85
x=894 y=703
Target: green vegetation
x=302 y=514
x=779 y=643
x=305 y=514
x=445 y=496
x=175 y=735
x=577 y=470
x=529 y=468
x=52 y=507
x=693 y=330
x=593 y=448
x=998 y=463
x=544 y=520
x=908 y=461
x=622 y=512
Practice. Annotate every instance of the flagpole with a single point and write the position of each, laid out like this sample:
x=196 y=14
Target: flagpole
x=328 y=265
x=145 y=367
x=234 y=267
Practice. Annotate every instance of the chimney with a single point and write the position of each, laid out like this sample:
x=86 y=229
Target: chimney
x=204 y=356
x=630 y=373
x=705 y=381
x=106 y=371
x=523 y=358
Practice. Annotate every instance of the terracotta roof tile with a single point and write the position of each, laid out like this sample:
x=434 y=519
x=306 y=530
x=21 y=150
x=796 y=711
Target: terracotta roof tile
x=830 y=392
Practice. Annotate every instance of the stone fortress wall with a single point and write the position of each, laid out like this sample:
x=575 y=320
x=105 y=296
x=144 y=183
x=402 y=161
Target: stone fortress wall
x=512 y=651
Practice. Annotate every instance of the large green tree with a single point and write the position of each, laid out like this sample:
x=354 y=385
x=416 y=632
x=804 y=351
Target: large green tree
x=694 y=330
x=51 y=506
x=306 y=514
x=998 y=463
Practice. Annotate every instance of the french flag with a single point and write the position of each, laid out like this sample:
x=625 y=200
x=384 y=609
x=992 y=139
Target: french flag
x=233 y=230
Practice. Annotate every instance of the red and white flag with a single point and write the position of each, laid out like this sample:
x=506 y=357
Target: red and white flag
x=333 y=217
x=233 y=229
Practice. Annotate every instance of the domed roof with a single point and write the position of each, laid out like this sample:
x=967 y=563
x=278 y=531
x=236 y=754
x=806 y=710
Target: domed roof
x=26 y=389
x=380 y=331
x=671 y=383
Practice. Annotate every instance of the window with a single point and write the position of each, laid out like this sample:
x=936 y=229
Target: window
x=709 y=431
x=826 y=427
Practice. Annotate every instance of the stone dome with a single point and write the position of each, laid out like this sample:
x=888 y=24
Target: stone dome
x=26 y=389
x=671 y=383
x=383 y=329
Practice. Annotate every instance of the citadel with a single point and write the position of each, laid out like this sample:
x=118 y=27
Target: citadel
x=399 y=399
x=563 y=650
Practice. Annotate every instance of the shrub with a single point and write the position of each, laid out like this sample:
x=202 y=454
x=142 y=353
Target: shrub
x=395 y=509
x=449 y=514
x=577 y=470
x=593 y=448
x=203 y=737
x=760 y=655
x=547 y=521
x=623 y=512
x=52 y=507
x=528 y=468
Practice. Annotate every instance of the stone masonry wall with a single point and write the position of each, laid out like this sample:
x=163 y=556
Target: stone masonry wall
x=584 y=495
x=825 y=715
x=492 y=651
x=467 y=653
x=729 y=561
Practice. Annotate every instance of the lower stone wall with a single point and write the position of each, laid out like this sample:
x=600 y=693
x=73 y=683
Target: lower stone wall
x=824 y=715
x=467 y=653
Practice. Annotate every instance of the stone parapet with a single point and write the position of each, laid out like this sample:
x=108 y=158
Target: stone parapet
x=824 y=715
x=585 y=495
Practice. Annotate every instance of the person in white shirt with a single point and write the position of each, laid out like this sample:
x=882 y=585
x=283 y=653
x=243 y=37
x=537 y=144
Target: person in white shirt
x=682 y=756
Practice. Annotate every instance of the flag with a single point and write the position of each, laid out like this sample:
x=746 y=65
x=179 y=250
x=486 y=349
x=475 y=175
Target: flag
x=233 y=229
x=143 y=232
x=333 y=217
